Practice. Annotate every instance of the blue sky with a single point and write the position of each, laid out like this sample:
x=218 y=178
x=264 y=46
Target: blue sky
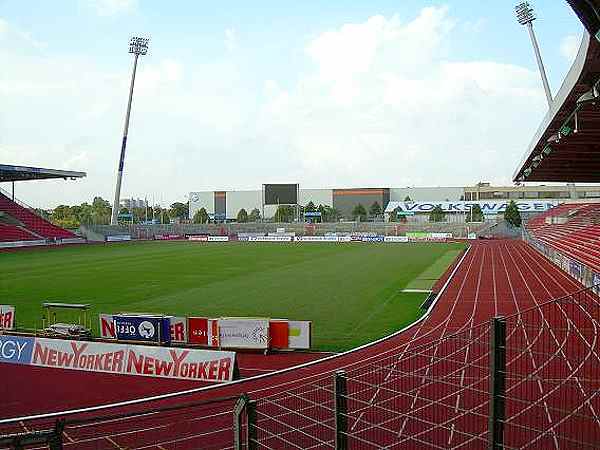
x=237 y=93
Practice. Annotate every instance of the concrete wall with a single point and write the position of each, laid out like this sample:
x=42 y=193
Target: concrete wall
x=317 y=196
x=237 y=200
x=345 y=200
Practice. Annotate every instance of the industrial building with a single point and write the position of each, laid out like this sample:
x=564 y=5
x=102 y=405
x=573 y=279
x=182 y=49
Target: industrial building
x=226 y=204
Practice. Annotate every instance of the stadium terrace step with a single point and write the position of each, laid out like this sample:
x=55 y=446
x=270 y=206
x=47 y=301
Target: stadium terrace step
x=34 y=223
x=11 y=233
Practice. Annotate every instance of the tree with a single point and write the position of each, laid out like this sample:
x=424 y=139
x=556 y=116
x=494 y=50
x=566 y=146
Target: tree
x=254 y=215
x=475 y=215
x=375 y=210
x=359 y=213
x=179 y=210
x=310 y=207
x=200 y=216
x=512 y=215
x=284 y=213
x=437 y=214
x=407 y=199
x=242 y=216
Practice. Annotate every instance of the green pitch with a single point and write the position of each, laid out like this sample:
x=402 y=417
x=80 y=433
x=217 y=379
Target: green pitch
x=351 y=292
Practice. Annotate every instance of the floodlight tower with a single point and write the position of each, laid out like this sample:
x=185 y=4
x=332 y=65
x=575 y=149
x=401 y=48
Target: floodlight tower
x=137 y=46
x=526 y=16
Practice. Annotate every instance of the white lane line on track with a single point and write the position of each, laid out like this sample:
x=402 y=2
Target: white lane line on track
x=252 y=379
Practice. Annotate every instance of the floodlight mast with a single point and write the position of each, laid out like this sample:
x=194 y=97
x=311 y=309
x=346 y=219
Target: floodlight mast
x=137 y=46
x=526 y=16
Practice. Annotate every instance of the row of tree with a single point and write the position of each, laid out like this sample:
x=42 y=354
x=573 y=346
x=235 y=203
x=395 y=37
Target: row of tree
x=100 y=210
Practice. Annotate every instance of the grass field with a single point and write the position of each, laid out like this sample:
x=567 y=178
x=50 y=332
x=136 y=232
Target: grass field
x=351 y=292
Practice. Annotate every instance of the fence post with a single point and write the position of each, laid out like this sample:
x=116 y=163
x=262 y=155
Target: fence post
x=341 y=411
x=251 y=429
x=238 y=409
x=497 y=383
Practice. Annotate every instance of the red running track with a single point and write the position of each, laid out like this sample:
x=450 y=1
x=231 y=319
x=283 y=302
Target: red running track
x=423 y=388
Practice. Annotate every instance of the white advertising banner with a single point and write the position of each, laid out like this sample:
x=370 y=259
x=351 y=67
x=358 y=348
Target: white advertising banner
x=118 y=238
x=7 y=317
x=237 y=332
x=395 y=239
x=487 y=207
x=270 y=238
x=178 y=327
x=107 y=326
x=163 y=362
x=218 y=238
x=299 y=334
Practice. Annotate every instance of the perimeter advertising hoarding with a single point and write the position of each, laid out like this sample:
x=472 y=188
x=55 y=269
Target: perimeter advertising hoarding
x=279 y=332
x=270 y=238
x=128 y=359
x=218 y=238
x=107 y=326
x=16 y=350
x=7 y=317
x=203 y=331
x=177 y=328
x=142 y=328
x=395 y=239
x=299 y=334
x=244 y=333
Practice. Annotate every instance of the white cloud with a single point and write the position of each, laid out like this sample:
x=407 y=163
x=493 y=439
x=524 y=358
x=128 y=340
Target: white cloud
x=569 y=46
x=380 y=103
x=112 y=7
x=231 y=41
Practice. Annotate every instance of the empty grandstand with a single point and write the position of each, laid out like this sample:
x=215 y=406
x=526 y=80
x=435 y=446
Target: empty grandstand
x=20 y=224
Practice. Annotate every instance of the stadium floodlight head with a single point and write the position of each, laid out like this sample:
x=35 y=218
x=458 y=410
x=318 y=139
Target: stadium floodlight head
x=138 y=45
x=526 y=16
x=525 y=13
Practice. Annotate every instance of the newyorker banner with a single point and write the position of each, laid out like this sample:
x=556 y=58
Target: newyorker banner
x=186 y=364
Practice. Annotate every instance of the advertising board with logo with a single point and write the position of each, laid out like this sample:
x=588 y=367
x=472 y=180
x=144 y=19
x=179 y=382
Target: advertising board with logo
x=218 y=238
x=244 y=333
x=270 y=238
x=200 y=238
x=142 y=328
x=395 y=239
x=299 y=334
x=372 y=238
x=7 y=317
x=16 y=350
x=187 y=364
x=203 y=331
x=118 y=238
x=178 y=329
x=487 y=207
x=279 y=333
x=107 y=326
x=168 y=237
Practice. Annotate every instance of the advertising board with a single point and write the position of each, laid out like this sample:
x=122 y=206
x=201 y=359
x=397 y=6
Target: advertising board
x=299 y=334
x=118 y=238
x=237 y=332
x=196 y=364
x=218 y=238
x=7 y=317
x=278 y=333
x=178 y=329
x=16 y=350
x=395 y=239
x=203 y=331
x=168 y=237
x=487 y=207
x=270 y=238
x=107 y=326
x=201 y=238
x=372 y=238
x=142 y=328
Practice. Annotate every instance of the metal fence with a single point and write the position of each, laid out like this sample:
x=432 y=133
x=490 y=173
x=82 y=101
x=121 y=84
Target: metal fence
x=526 y=381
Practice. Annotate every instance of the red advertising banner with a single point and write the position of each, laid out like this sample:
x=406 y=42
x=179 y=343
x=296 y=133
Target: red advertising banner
x=178 y=327
x=203 y=331
x=279 y=333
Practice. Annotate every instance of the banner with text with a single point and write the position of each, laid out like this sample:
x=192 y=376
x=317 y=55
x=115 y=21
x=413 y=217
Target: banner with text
x=7 y=317
x=244 y=333
x=128 y=359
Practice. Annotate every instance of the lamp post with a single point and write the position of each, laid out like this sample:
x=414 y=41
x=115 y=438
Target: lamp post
x=526 y=16
x=137 y=46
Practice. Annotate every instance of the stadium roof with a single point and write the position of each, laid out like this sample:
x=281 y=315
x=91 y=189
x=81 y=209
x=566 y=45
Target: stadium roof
x=21 y=173
x=566 y=146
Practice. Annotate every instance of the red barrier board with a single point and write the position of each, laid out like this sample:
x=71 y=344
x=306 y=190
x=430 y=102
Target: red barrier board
x=203 y=331
x=279 y=333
